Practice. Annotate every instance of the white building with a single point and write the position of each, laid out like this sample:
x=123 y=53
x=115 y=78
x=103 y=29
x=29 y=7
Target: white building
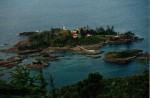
x=64 y=28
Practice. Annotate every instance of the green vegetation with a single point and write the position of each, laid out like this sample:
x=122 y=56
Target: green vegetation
x=57 y=37
x=106 y=31
x=24 y=85
x=123 y=54
x=96 y=87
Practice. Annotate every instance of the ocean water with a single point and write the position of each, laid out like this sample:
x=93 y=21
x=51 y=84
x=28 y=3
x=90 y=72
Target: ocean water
x=31 y=15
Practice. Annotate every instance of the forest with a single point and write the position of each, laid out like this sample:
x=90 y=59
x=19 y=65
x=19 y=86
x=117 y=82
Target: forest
x=26 y=85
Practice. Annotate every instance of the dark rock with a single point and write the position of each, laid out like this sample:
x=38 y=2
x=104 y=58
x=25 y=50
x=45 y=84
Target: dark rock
x=29 y=52
x=5 y=44
x=47 y=59
x=36 y=65
x=27 y=33
x=95 y=56
x=1 y=74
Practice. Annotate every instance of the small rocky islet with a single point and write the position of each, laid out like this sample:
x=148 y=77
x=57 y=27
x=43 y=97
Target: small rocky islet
x=82 y=41
x=125 y=56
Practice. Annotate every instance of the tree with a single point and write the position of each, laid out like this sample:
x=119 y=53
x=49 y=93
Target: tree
x=21 y=76
x=110 y=30
x=82 y=32
x=91 y=87
x=129 y=34
x=52 y=85
x=41 y=80
x=100 y=31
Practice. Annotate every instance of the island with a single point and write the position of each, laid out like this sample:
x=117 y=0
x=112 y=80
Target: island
x=82 y=40
x=123 y=57
x=62 y=39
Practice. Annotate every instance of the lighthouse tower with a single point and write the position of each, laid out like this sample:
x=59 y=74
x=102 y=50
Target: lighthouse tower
x=64 y=28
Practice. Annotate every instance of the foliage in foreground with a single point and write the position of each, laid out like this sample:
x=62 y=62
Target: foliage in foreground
x=94 y=86
x=24 y=85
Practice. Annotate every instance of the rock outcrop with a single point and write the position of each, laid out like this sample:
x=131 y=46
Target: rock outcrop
x=36 y=65
x=15 y=49
x=10 y=62
x=56 y=49
x=82 y=50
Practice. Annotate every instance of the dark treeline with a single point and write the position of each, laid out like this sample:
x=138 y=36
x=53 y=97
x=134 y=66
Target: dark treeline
x=95 y=86
x=25 y=85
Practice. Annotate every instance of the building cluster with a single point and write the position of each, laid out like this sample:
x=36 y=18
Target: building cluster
x=77 y=32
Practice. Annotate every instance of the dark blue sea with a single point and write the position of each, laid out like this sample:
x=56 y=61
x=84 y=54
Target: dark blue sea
x=32 y=15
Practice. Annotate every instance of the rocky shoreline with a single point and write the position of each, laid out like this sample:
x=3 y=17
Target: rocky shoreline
x=21 y=48
x=15 y=49
x=124 y=41
x=12 y=61
x=120 y=60
x=43 y=55
x=82 y=50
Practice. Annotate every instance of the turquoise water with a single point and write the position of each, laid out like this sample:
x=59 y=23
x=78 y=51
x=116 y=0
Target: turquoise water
x=31 y=15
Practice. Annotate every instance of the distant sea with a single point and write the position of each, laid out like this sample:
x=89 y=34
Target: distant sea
x=32 y=15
